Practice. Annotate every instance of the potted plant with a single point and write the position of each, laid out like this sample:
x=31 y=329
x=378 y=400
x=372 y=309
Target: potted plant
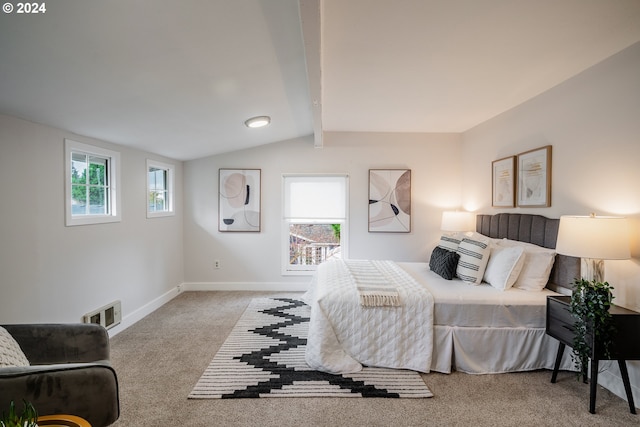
x=589 y=306
x=28 y=418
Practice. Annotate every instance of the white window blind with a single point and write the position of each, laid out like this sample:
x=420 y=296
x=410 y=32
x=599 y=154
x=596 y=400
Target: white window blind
x=312 y=198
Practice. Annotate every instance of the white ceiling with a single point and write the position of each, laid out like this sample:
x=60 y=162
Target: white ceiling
x=448 y=65
x=179 y=78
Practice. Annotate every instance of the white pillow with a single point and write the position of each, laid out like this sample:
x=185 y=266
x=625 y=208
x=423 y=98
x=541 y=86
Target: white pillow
x=504 y=266
x=11 y=354
x=537 y=265
x=474 y=255
x=526 y=246
x=535 y=272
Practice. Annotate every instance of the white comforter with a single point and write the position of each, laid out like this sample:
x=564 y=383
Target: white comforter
x=343 y=335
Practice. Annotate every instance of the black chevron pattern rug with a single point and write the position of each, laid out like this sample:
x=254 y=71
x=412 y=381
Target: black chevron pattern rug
x=264 y=357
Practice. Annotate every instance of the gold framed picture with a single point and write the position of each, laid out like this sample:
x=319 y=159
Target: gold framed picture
x=534 y=178
x=503 y=177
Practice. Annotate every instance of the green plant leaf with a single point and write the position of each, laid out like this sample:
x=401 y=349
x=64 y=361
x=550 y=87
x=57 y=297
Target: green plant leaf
x=28 y=418
x=589 y=306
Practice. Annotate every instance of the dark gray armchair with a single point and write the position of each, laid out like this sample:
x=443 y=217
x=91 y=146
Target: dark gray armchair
x=70 y=372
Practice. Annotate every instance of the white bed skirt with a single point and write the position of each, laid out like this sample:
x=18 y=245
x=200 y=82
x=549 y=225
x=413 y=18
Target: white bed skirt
x=495 y=350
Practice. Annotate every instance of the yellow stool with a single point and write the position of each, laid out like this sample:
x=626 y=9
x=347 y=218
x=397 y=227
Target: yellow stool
x=62 y=421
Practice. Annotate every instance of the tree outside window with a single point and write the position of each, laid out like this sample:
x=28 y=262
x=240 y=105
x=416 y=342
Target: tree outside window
x=92 y=175
x=89 y=185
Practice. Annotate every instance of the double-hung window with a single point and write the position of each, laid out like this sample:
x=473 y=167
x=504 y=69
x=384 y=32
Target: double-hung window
x=160 y=185
x=92 y=177
x=315 y=226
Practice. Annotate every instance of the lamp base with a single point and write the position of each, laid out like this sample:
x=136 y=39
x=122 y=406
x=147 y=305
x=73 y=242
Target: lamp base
x=592 y=269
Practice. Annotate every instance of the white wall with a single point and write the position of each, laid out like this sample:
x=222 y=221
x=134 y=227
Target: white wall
x=253 y=260
x=54 y=273
x=593 y=123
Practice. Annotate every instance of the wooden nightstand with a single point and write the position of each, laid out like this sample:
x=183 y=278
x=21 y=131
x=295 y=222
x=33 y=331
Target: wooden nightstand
x=626 y=345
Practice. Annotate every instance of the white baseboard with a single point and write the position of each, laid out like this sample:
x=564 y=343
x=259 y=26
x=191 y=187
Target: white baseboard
x=245 y=286
x=143 y=311
x=152 y=306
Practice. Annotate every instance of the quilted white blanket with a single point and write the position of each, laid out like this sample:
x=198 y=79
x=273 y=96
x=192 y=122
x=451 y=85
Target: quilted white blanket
x=344 y=335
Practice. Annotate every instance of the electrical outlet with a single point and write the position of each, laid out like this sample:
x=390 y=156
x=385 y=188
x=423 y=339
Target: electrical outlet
x=179 y=288
x=216 y=263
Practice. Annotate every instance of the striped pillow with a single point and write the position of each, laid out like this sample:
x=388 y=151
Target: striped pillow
x=474 y=255
x=449 y=242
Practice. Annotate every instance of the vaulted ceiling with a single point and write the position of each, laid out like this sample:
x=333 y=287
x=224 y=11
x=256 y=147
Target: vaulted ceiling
x=179 y=78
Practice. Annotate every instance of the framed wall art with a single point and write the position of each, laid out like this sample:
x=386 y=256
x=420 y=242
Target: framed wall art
x=503 y=181
x=534 y=178
x=390 y=200
x=239 y=200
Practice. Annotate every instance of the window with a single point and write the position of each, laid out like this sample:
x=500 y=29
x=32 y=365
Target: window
x=92 y=175
x=315 y=225
x=159 y=189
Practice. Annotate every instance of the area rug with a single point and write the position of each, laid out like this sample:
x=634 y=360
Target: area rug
x=264 y=357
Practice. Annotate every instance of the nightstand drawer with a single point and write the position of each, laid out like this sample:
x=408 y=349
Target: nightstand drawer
x=563 y=332
x=560 y=321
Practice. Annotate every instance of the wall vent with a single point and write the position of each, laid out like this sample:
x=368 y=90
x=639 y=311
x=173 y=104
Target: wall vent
x=108 y=316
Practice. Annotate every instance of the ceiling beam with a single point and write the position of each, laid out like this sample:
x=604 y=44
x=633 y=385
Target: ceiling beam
x=310 y=18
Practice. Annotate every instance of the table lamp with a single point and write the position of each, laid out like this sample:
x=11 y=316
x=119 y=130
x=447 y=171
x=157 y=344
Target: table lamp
x=594 y=239
x=457 y=221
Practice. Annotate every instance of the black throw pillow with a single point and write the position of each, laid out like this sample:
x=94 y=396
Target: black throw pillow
x=444 y=262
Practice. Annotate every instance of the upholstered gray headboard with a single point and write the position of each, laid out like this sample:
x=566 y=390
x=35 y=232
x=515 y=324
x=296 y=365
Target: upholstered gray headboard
x=536 y=229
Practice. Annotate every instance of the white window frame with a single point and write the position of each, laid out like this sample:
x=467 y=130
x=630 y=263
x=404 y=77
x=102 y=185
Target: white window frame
x=113 y=175
x=308 y=270
x=169 y=202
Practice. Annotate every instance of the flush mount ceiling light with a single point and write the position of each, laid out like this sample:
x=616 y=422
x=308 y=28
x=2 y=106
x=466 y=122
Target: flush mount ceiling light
x=257 y=122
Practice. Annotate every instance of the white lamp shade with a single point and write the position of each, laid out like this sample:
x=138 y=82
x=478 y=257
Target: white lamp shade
x=457 y=221
x=596 y=237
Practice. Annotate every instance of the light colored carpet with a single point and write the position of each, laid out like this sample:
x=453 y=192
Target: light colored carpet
x=264 y=356
x=160 y=358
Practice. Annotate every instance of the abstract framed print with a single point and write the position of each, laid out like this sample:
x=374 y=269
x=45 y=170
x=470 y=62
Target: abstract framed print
x=239 y=200
x=390 y=200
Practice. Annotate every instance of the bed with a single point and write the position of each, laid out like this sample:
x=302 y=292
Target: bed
x=441 y=325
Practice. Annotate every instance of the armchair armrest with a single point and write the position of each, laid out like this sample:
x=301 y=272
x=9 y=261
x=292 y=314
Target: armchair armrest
x=45 y=344
x=89 y=390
